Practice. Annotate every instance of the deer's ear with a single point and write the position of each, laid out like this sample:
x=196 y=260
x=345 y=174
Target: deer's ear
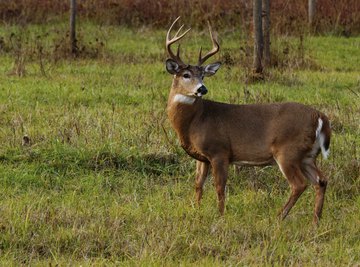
x=211 y=69
x=172 y=66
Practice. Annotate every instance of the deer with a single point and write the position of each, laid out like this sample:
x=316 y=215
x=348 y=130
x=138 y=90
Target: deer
x=290 y=135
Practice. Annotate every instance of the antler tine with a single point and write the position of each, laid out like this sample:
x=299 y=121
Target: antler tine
x=172 y=25
x=176 y=34
x=213 y=51
x=200 y=54
x=170 y=41
x=178 y=51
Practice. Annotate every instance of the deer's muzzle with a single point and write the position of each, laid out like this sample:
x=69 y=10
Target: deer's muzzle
x=202 y=90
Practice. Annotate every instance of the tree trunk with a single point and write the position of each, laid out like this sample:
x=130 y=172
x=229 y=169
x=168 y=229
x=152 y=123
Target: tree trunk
x=258 y=36
x=312 y=11
x=73 y=40
x=266 y=31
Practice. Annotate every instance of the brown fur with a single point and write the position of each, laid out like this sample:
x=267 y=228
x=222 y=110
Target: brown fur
x=218 y=134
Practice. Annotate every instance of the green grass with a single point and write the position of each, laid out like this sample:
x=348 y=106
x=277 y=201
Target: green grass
x=106 y=182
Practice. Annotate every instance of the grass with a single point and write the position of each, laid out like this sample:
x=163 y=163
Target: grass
x=104 y=180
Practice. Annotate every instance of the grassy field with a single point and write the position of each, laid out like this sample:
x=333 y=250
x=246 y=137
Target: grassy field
x=104 y=180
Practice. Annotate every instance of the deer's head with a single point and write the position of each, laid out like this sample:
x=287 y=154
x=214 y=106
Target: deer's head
x=188 y=79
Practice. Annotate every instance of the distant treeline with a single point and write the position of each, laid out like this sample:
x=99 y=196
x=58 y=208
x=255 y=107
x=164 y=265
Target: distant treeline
x=287 y=16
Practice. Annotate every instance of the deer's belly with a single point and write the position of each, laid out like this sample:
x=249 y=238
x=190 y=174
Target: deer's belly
x=254 y=163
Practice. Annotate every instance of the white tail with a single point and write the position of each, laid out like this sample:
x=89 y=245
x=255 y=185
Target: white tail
x=321 y=139
x=218 y=134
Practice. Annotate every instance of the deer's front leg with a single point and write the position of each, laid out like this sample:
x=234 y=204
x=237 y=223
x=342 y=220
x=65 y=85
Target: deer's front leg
x=220 y=172
x=202 y=171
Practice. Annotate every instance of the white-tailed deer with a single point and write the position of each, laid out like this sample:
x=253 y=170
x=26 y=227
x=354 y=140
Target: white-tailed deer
x=218 y=134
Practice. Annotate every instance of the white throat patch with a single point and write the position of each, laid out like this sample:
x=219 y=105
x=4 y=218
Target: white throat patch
x=184 y=99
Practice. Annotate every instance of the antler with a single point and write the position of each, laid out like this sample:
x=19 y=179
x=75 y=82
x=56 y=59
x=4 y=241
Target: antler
x=213 y=51
x=176 y=38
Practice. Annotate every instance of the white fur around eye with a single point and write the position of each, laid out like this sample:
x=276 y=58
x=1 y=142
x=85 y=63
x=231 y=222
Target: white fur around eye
x=186 y=76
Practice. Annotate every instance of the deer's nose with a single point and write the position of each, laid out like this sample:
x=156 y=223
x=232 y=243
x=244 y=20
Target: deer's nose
x=202 y=90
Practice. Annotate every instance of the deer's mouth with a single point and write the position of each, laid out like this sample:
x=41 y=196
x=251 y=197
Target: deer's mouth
x=198 y=94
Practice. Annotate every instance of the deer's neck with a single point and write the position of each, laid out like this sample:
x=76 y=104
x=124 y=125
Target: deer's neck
x=182 y=111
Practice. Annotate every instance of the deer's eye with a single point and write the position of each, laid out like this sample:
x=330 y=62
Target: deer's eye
x=186 y=76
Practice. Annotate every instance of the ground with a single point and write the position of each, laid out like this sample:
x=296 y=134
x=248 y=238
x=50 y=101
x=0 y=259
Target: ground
x=104 y=180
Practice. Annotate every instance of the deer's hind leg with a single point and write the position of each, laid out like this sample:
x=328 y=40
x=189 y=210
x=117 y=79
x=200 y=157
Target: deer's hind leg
x=290 y=167
x=319 y=182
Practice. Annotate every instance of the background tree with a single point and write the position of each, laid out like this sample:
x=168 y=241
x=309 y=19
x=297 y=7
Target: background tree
x=266 y=31
x=258 y=36
x=72 y=27
x=312 y=11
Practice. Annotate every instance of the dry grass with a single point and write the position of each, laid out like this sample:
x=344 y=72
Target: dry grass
x=92 y=174
x=337 y=16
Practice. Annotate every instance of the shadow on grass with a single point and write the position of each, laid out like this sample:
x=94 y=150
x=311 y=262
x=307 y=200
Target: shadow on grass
x=63 y=162
x=152 y=163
